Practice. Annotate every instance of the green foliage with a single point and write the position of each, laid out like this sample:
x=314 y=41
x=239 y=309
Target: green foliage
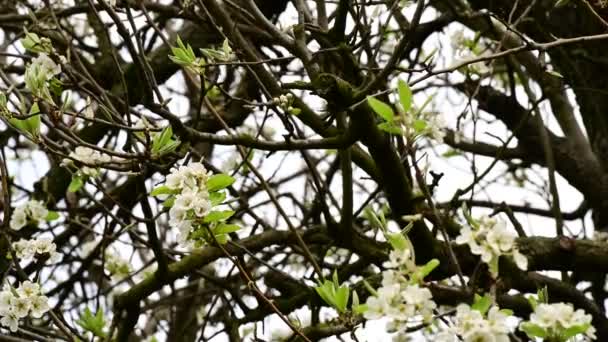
x=225 y=54
x=163 y=142
x=76 y=183
x=482 y=304
x=34 y=43
x=219 y=181
x=217 y=216
x=52 y=215
x=162 y=190
x=382 y=109
x=405 y=95
x=184 y=56
x=533 y=330
x=29 y=126
x=93 y=323
x=334 y=294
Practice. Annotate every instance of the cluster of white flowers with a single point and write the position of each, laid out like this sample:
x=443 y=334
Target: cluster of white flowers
x=490 y=239
x=285 y=102
x=192 y=200
x=471 y=326
x=27 y=300
x=38 y=72
x=399 y=298
x=117 y=266
x=88 y=156
x=32 y=210
x=557 y=318
x=27 y=249
x=426 y=123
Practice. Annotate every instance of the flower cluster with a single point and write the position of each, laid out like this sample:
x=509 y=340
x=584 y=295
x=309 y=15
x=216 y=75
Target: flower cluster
x=490 y=239
x=27 y=249
x=32 y=211
x=401 y=297
x=27 y=300
x=471 y=325
x=41 y=70
x=285 y=102
x=427 y=123
x=558 y=322
x=89 y=157
x=192 y=200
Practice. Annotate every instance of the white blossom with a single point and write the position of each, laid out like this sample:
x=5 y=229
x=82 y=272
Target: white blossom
x=18 y=219
x=490 y=239
x=472 y=326
x=91 y=157
x=6 y=302
x=11 y=321
x=27 y=249
x=33 y=210
x=557 y=317
x=398 y=258
x=192 y=176
x=38 y=72
x=21 y=307
x=39 y=306
x=24 y=301
x=28 y=289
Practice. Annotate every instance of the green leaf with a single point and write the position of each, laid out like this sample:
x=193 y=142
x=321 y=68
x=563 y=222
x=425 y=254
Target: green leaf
x=341 y=298
x=171 y=146
x=217 y=197
x=482 y=304
x=390 y=127
x=219 y=182
x=370 y=288
x=428 y=268
x=162 y=139
x=405 y=95
x=334 y=278
x=220 y=215
x=533 y=330
x=168 y=203
x=369 y=214
x=325 y=291
x=162 y=190
x=533 y=302
x=225 y=228
x=574 y=330
x=543 y=295
x=381 y=108
x=506 y=312
x=34 y=43
x=397 y=240
x=75 y=184
x=221 y=239
x=361 y=308
x=420 y=125
x=52 y=215
x=93 y=323
x=561 y=3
